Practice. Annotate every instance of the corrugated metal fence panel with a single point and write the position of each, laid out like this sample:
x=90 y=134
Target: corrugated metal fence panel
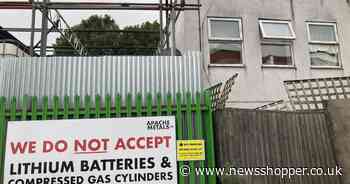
x=71 y=76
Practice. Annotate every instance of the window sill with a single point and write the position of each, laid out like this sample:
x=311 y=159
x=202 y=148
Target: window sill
x=328 y=67
x=280 y=66
x=227 y=65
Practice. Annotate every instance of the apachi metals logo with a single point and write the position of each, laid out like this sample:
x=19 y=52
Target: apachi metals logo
x=159 y=125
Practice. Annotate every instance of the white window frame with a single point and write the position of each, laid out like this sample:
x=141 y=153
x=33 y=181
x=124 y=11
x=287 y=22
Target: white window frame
x=323 y=24
x=292 y=65
x=289 y=23
x=336 y=43
x=227 y=65
x=225 y=38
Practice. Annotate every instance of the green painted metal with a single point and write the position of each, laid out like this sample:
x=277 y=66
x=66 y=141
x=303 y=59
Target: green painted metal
x=159 y=105
x=149 y=105
x=193 y=118
x=98 y=108
x=199 y=129
x=45 y=108
x=76 y=107
x=13 y=109
x=190 y=135
x=129 y=105
x=87 y=106
x=34 y=108
x=169 y=105
x=25 y=107
x=179 y=129
x=66 y=107
x=209 y=137
x=56 y=107
x=118 y=105
x=108 y=106
x=139 y=105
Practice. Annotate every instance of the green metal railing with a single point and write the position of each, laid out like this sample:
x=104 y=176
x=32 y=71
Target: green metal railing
x=193 y=118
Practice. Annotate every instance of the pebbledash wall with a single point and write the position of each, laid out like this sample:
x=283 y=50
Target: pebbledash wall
x=258 y=85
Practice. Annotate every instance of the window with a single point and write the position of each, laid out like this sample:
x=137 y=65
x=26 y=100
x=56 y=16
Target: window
x=276 y=54
x=323 y=44
x=276 y=29
x=225 y=41
x=276 y=42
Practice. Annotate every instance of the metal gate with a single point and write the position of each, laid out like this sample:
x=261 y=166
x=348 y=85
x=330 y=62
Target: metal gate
x=193 y=118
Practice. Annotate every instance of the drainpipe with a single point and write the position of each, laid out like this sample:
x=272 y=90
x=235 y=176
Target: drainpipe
x=292 y=9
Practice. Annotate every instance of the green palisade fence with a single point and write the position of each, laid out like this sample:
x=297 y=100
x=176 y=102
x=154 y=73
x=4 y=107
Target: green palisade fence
x=193 y=118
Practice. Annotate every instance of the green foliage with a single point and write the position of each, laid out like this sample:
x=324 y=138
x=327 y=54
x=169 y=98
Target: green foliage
x=146 y=40
x=99 y=43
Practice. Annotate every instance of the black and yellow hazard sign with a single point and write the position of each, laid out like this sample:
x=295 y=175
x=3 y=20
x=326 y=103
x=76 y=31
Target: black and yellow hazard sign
x=190 y=150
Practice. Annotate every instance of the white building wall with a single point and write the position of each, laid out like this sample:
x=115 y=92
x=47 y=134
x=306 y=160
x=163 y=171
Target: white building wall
x=9 y=49
x=258 y=85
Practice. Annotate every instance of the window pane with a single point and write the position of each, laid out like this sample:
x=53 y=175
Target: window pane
x=224 y=29
x=225 y=53
x=322 y=33
x=277 y=30
x=324 y=55
x=276 y=54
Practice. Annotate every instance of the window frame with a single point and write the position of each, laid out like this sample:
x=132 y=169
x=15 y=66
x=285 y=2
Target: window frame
x=336 y=42
x=289 y=23
x=280 y=43
x=211 y=38
x=226 y=42
x=339 y=66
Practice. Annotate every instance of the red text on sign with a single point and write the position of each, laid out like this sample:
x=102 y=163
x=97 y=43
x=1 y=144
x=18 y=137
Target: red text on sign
x=21 y=148
x=57 y=146
x=92 y=145
x=133 y=143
